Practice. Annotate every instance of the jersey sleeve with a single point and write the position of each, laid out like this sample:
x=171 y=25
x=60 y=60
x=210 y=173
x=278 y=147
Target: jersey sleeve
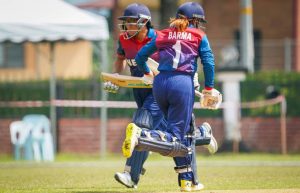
x=207 y=59
x=144 y=53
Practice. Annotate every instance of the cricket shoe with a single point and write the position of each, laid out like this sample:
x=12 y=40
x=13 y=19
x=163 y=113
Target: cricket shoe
x=197 y=187
x=133 y=132
x=213 y=145
x=188 y=186
x=125 y=179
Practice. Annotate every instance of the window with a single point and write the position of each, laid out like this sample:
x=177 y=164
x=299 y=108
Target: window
x=11 y=55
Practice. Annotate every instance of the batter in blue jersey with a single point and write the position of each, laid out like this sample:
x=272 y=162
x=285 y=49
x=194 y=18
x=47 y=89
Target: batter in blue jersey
x=179 y=47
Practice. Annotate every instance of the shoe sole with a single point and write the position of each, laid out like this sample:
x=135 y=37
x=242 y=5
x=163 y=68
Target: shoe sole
x=215 y=142
x=197 y=187
x=207 y=125
x=128 y=144
x=121 y=182
x=192 y=189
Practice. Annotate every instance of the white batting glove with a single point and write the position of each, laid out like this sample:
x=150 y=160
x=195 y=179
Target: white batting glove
x=110 y=87
x=211 y=99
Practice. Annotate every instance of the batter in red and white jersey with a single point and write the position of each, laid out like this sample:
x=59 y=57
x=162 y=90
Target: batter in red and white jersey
x=136 y=31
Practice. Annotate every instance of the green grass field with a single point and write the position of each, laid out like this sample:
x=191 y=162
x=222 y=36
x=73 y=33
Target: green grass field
x=237 y=173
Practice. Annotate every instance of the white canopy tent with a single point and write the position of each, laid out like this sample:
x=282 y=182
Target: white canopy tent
x=52 y=21
x=48 y=20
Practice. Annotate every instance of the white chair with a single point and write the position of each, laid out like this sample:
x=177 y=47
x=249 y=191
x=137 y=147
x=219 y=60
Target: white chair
x=42 y=138
x=21 y=139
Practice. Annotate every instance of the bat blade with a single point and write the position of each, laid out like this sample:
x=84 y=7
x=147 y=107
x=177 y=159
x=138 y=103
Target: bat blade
x=125 y=81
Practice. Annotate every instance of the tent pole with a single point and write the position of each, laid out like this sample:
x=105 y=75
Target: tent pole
x=53 y=96
x=104 y=96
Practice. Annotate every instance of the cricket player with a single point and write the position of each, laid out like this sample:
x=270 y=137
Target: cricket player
x=136 y=31
x=178 y=47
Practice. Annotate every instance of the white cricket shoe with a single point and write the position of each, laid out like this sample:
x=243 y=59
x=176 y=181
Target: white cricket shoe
x=197 y=187
x=213 y=145
x=188 y=186
x=125 y=179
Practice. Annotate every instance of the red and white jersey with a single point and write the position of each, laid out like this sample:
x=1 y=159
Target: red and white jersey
x=128 y=48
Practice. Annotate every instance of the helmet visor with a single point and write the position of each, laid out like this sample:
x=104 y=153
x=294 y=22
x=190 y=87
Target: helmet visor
x=132 y=26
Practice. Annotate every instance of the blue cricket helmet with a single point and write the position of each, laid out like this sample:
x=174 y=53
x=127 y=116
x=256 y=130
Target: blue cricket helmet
x=191 y=10
x=136 y=10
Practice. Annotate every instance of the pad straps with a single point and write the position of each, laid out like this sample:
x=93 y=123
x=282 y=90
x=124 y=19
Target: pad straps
x=182 y=169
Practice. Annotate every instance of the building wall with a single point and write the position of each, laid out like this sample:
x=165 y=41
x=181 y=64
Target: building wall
x=82 y=135
x=274 y=20
x=72 y=59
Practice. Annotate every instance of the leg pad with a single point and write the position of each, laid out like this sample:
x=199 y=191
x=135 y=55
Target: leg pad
x=202 y=141
x=143 y=118
x=171 y=149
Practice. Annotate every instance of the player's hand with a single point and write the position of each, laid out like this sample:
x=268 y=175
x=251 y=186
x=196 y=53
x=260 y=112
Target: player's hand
x=211 y=99
x=110 y=87
x=148 y=78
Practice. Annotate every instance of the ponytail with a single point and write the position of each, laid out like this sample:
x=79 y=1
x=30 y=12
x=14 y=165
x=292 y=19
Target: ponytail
x=179 y=23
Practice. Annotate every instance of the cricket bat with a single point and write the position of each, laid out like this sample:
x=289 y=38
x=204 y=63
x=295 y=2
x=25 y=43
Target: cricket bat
x=130 y=81
x=126 y=81
x=135 y=82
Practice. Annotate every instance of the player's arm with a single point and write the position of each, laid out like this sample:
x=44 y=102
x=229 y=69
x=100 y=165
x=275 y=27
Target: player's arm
x=212 y=98
x=119 y=64
x=142 y=56
x=207 y=59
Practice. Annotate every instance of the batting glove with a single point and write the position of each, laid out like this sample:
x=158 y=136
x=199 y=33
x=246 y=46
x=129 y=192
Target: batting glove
x=148 y=78
x=110 y=87
x=211 y=99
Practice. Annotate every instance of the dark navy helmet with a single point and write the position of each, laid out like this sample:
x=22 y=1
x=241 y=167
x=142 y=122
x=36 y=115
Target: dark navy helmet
x=141 y=17
x=136 y=10
x=191 y=10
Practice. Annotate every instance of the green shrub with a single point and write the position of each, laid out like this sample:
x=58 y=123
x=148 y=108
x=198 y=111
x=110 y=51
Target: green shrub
x=252 y=89
x=255 y=86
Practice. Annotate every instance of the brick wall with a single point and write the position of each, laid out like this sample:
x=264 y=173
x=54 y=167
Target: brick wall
x=82 y=135
x=5 y=144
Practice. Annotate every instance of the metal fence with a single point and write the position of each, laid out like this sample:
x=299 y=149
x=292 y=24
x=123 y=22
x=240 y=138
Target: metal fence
x=269 y=54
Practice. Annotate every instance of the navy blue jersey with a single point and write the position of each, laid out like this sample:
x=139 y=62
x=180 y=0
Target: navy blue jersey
x=178 y=51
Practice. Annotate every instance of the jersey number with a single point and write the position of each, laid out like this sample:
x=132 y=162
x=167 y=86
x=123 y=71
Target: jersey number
x=177 y=48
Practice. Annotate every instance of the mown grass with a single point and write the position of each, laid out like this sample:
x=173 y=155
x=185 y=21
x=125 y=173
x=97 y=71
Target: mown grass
x=89 y=173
